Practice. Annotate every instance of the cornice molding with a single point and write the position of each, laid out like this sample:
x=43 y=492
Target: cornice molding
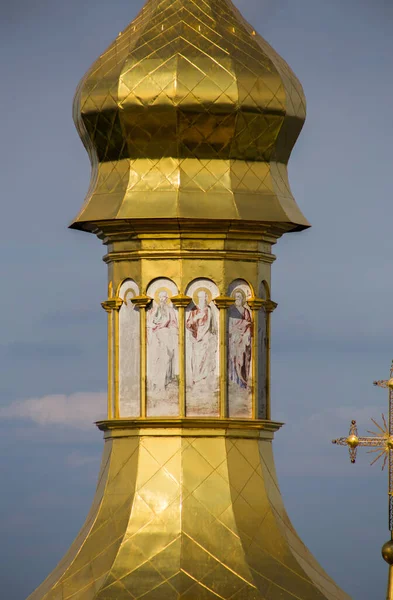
x=131 y=255
x=190 y=423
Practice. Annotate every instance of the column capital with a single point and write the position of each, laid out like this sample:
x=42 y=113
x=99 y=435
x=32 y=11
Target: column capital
x=223 y=301
x=270 y=306
x=112 y=304
x=181 y=301
x=256 y=303
x=141 y=301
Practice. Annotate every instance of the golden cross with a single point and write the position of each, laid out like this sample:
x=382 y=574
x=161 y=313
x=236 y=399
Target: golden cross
x=380 y=442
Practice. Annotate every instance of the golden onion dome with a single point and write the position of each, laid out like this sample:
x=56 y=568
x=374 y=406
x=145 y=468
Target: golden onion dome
x=189 y=114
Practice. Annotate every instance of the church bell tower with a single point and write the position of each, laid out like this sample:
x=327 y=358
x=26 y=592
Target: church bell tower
x=189 y=118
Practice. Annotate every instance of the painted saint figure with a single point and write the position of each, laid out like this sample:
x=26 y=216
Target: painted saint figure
x=240 y=339
x=129 y=355
x=202 y=327
x=162 y=340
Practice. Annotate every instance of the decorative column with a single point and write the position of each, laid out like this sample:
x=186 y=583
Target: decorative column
x=256 y=305
x=112 y=307
x=269 y=306
x=142 y=302
x=223 y=303
x=181 y=302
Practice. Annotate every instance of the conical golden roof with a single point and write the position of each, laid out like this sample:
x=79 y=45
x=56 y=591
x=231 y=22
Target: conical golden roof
x=189 y=114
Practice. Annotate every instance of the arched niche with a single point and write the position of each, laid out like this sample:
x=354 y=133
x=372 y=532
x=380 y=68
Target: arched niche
x=202 y=350
x=162 y=346
x=129 y=351
x=264 y=290
x=240 y=336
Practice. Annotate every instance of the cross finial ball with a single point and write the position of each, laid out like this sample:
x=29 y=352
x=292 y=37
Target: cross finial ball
x=387 y=552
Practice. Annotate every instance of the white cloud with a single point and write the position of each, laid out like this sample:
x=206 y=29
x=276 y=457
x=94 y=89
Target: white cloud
x=78 y=410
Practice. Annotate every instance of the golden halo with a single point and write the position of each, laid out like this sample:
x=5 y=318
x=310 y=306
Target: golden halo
x=127 y=293
x=242 y=292
x=198 y=291
x=158 y=292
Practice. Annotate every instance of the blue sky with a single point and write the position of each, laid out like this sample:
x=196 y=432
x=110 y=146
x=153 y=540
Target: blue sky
x=332 y=331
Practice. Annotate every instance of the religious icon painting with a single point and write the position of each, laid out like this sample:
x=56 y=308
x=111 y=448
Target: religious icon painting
x=129 y=351
x=162 y=350
x=202 y=350
x=240 y=340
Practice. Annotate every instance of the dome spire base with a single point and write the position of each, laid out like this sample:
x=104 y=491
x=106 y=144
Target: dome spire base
x=186 y=513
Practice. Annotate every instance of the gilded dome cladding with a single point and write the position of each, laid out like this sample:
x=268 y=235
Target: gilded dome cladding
x=189 y=114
